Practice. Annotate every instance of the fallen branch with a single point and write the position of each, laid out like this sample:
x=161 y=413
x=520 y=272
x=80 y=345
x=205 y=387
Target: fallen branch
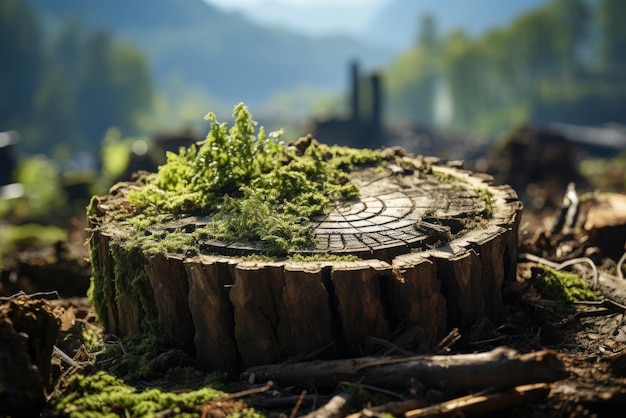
x=612 y=288
x=500 y=367
x=394 y=408
x=453 y=336
x=338 y=407
x=287 y=401
x=38 y=295
x=249 y=392
x=476 y=404
x=294 y=411
x=618 y=267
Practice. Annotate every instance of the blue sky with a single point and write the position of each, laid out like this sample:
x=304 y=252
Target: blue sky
x=237 y=4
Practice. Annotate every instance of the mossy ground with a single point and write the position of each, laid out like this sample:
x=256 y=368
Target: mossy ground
x=103 y=395
x=562 y=287
x=254 y=189
x=136 y=376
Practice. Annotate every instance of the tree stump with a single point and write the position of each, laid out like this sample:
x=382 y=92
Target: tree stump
x=433 y=250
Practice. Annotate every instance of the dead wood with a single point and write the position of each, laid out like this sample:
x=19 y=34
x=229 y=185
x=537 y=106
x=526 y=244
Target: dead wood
x=434 y=255
x=339 y=406
x=612 y=288
x=483 y=403
x=393 y=408
x=287 y=401
x=500 y=367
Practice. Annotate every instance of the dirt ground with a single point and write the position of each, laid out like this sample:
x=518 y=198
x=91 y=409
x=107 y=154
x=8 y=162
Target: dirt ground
x=590 y=340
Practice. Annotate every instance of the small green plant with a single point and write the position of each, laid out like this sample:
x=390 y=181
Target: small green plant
x=42 y=189
x=563 y=287
x=256 y=188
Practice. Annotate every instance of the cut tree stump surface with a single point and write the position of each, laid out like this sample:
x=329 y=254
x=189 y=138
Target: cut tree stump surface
x=435 y=249
x=394 y=214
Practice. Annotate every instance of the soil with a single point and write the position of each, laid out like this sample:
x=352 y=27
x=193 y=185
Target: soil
x=590 y=340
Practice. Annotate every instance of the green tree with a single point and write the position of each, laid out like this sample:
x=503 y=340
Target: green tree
x=412 y=78
x=20 y=49
x=95 y=95
x=610 y=15
x=55 y=118
x=132 y=86
x=495 y=80
x=466 y=71
x=574 y=17
x=66 y=48
x=113 y=87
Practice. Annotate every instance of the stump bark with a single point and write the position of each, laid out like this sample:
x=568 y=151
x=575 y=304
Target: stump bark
x=433 y=250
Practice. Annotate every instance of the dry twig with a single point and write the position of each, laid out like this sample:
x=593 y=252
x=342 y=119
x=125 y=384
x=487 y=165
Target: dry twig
x=482 y=403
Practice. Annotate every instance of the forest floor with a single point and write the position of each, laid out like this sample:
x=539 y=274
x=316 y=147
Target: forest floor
x=589 y=340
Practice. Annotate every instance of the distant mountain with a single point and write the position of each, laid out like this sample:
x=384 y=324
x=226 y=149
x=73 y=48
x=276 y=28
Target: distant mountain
x=389 y=23
x=317 y=19
x=235 y=59
x=396 y=24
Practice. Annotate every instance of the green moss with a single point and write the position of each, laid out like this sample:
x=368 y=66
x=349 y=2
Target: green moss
x=563 y=287
x=301 y=258
x=131 y=356
x=92 y=339
x=322 y=257
x=129 y=363
x=100 y=285
x=128 y=282
x=253 y=220
x=144 y=220
x=442 y=176
x=487 y=197
x=256 y=188
x=104 y=395
x=132 y=288
x=172 y=242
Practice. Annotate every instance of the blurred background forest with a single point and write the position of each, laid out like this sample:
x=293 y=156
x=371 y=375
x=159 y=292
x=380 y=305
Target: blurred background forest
x=87 y=85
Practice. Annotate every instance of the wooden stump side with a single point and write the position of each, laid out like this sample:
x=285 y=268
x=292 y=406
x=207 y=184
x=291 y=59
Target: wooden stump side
x=256 y=313
x=103 y=280
x=170 y=296
x=212 y=313
x=428 y=263
x=308 y=304
x=492 y=259
x=133 y=295
x=416 y=294
x=362 y=313
x=460 y=279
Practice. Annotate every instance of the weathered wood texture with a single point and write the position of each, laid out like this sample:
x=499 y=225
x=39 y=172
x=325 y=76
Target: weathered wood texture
x=433 y=256
x=501 y=367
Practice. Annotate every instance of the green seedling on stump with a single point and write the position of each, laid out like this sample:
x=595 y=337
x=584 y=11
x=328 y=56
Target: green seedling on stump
x=256 y=188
